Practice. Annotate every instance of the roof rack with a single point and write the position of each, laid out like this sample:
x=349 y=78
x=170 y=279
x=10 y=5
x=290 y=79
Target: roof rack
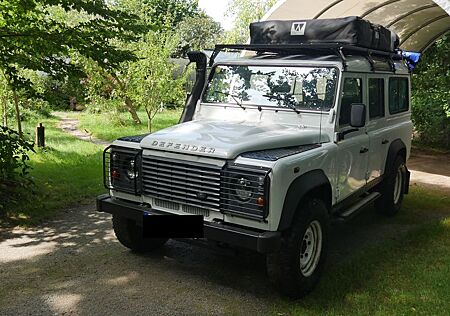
x=337 y=49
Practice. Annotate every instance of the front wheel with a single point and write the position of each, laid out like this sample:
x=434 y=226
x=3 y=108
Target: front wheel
x=131 y=236
x=296 y=268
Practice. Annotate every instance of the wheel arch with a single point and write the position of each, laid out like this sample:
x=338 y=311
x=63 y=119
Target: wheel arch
x=396 y=148
x=311 y=184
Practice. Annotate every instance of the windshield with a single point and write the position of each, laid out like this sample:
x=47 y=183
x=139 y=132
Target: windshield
x=301 y=88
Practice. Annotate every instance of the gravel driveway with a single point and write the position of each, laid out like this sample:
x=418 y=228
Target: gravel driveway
x=74 y=265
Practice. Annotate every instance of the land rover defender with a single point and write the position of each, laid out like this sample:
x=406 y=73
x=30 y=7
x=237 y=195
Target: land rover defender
x=304 y=129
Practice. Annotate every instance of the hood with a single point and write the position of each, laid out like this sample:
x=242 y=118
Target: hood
x=227 y=140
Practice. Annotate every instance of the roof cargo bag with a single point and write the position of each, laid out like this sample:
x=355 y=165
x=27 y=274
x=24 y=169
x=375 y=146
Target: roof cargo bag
x=348 y=31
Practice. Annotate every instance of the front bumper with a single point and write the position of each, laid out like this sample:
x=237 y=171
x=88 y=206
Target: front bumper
x=262 y=242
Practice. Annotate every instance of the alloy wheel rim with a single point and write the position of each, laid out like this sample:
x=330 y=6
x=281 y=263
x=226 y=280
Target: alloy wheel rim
x=398 y=186
x=311 y=249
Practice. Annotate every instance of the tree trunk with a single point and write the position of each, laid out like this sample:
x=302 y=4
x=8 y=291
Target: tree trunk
x=149 y=122
x=5 y=112
x=128 y=102
x=16 y=104
x=447 y=134
x=132 y=110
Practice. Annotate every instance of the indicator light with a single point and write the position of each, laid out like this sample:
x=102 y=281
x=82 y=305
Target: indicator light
x=260 y=201
x=115 y=174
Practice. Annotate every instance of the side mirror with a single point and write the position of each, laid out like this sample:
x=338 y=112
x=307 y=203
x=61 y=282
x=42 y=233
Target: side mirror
x=358 y=115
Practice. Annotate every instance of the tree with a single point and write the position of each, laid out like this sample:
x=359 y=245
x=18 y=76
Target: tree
x=163 y=15
x=197 y=33
x=431 y=95
x=153 y=81
x=244 y=13
x=40 y=35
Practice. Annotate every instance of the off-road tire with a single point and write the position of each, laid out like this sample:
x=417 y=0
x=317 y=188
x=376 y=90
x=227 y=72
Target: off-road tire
x=131 y=236
x=392 y=189
x=284 y=267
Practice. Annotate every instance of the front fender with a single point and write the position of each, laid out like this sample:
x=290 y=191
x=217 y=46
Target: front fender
x=298 y=190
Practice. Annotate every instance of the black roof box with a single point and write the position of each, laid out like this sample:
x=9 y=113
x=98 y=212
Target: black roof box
x=347 y=31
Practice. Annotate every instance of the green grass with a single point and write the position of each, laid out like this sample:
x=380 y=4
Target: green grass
x=68 y=171
x=407 y=275
x=104 y=126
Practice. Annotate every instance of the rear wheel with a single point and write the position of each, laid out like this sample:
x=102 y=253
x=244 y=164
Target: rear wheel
x=296 y=268
x=131 y=236
x=392 y=189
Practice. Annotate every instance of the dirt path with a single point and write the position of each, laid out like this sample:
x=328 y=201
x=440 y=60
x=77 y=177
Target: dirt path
x=430 y=170
x=69 y=125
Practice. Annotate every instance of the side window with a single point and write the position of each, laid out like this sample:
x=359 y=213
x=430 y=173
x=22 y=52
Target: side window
x=376 y=98
x=352 y=93
x=398 y=95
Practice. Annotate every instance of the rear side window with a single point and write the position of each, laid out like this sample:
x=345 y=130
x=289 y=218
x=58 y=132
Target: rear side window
x=352 y=93
x=376 y=98
x=398 y=95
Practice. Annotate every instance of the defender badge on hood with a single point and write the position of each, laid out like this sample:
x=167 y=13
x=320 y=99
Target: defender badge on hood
x=185 y=147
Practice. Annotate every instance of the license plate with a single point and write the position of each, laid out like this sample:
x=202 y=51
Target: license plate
x=173 y=226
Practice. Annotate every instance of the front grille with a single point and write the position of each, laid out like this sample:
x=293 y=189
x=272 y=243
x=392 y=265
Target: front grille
x=195 y=210
x=180 y=181
x=167 y=204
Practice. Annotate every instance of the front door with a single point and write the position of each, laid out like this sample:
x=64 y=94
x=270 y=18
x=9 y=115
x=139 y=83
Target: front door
x=377 y=126
x=353 y=149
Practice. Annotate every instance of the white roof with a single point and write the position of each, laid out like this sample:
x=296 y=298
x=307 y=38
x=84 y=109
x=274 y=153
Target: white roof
x=419 y=23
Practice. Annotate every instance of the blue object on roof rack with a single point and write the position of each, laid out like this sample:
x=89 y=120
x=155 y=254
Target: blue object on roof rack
x=412 y=58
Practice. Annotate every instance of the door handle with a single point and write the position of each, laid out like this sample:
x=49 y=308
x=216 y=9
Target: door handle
x=364 y=150
x=385 y=141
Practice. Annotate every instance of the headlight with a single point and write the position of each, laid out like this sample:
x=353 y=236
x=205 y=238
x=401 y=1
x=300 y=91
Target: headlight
x=121 y=169
x=132 y=172
x=245 y=191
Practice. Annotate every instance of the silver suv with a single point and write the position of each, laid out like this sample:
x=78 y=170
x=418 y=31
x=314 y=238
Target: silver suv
x=272 y=148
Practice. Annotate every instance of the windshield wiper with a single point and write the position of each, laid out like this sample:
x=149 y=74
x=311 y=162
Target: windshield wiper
x=235 y=98
x=285 y=101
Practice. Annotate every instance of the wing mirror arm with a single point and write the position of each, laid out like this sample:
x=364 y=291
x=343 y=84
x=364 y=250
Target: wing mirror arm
x=341 y=135
x=357 y=120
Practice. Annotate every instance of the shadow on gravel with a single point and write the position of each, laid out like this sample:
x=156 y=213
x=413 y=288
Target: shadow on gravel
x=75 y=265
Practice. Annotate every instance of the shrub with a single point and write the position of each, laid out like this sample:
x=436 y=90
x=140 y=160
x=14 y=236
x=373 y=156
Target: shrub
x=431 y=121
x=13 y=157
x=431 y=95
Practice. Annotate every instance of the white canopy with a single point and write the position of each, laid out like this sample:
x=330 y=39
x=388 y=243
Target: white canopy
x=419 y=23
